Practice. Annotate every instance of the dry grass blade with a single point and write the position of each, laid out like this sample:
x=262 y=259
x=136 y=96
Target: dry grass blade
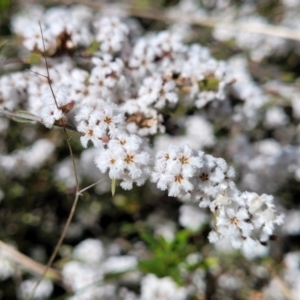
x=166 y=16
x=27 y=263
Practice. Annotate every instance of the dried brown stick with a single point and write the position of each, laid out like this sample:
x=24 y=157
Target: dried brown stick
x=75 y=201
x=27 y=263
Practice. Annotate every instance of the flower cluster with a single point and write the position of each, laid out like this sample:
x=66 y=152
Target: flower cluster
x=246 y=219
x=84 y=274
x=183 y=170
x=155 y=108
x=125 y=157
x=54 y=107
x=100 y=123
x=138 y=100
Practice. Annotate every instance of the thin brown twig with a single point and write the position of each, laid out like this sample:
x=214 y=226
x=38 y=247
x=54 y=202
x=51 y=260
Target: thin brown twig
x=47 y=67
x=75 y=201
x=65 y=229
x=88 y=187
x=36 y=73
x=55 y=251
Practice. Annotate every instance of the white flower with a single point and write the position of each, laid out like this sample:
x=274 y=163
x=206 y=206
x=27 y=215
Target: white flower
x=275 y=117
x=101 y=84
x=96 y=291
x=213 y=178
x=77 y=275
x=175 y=169
x=89 y=250
x=158 y=92
x=108 y=65
x=292 y=222
x=11 y=90
x=247 y=219
x=50 y=114
x=142 y=58
x=35 y=41
x=126 y=158
x=119 y=264
x=233 y=221
x=43 y=291
x=100 y=123
x=6 y=266
x=161 y=288
x=262 y=209
x=111 y=33
x=55 y=107
x=192 y=217
x=21 y=163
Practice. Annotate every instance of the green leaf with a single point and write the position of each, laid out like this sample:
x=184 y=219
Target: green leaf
x=24 y=117
x=4 y=5
x=211 y=261
x=113 y=186
x=148 y=238
x=182 y=237
x=35 y=58
x=157 y=266
x=209 y=83
x=94 y=46
x=3 y=42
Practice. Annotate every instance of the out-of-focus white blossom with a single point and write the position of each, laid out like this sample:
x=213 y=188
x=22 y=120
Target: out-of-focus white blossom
x=103 y=292
x=64 y=173
x=275 y=117
x=61 y=27
x=247 y=91
x=192 y=217
x=78 y=275
x=119 y=264
x=21 y=163
x=161 y=288
x=111 y=34
x=291 y=276
x=291 y=225
x=90 y=251
x=157 y=91
x=43 y=290
x=229 y=282
x=257 y=44
x=6 y=266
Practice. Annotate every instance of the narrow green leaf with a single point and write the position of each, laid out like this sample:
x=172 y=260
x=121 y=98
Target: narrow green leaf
x=149 y=238
x=94 y=46
x=113 y=186
x=2 y=43
x=22 y=120
x=24 y=117
x=35 y=58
